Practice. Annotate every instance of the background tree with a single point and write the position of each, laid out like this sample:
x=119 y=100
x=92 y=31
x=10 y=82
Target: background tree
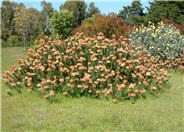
x=45 y=16
x=62 y=23
x=92 y=10
x=60 y=7
x=166 y=9
x=133 y=14
x=26 y=23
x=7 y=14
x=78 y=7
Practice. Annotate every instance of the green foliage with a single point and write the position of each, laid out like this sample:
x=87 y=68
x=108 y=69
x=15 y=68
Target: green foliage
x=166 y=9
x=92 y=10
x=78 y=7
x=26 y=23
x=12 y=41
x=133 y=14
x=62 y=23
x=47 y=8
x=7 y=14
x=161 y=40
x=88 y=21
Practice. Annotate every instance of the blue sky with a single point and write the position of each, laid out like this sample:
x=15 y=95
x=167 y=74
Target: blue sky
x=105 y=6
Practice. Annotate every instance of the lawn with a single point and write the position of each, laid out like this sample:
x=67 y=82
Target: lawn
x=28 y=112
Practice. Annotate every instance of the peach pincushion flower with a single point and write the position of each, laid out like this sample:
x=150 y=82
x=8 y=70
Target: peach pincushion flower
x=97 y=92
x=61 y=80
x=153 y=87
x=29 y=90
x=65 y=93
x=136 y=90
x=5 y=80
x=51 y=93
x=131 y=94
x=46 y=96
x=142 y=91
x=46 y=87
x=7 y=91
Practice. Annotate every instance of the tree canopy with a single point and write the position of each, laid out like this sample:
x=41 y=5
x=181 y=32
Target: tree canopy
x=26 y=23
x=158 y=10
x=62 y=23
x=92 y=10
x=78 y=7
x=7 y=14
x=166 y=9
x=132 y=14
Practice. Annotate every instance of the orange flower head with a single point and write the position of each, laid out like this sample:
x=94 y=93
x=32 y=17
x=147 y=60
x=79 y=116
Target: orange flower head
x=65 y=93
x=46 y=96
x=51 y=93
x=7 y=91
x=97 y=92
x=142 y=91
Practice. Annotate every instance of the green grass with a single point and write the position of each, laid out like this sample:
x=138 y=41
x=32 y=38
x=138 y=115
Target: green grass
x=28 y=112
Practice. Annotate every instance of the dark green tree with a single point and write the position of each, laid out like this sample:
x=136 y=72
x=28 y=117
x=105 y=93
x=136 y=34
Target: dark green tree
x=7 y=14
x=166 y=9
x=133 y=14
x=92 y=10
x=78 y=7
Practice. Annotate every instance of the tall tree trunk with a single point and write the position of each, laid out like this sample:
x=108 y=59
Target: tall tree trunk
x=24 y=43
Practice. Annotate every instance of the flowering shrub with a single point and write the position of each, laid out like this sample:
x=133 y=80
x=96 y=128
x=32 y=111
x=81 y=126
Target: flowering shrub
x=171 y=22
x=175 y=63
x=109 y=25
x=163 y=40
x=82 y=65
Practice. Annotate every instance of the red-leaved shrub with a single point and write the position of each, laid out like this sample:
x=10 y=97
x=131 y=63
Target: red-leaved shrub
x=178 y=26
x=109 y=25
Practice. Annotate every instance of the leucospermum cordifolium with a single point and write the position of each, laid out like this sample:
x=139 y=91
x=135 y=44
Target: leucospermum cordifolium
x=79 y=66
x=161 y=40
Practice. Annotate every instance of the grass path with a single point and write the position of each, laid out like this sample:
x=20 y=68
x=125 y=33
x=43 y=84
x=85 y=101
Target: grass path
x=27 y=112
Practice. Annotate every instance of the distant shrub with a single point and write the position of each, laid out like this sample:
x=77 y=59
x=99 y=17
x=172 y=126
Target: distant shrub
x=12 y=41
x=161 y=40
x=109 y=25
x=62 y=24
